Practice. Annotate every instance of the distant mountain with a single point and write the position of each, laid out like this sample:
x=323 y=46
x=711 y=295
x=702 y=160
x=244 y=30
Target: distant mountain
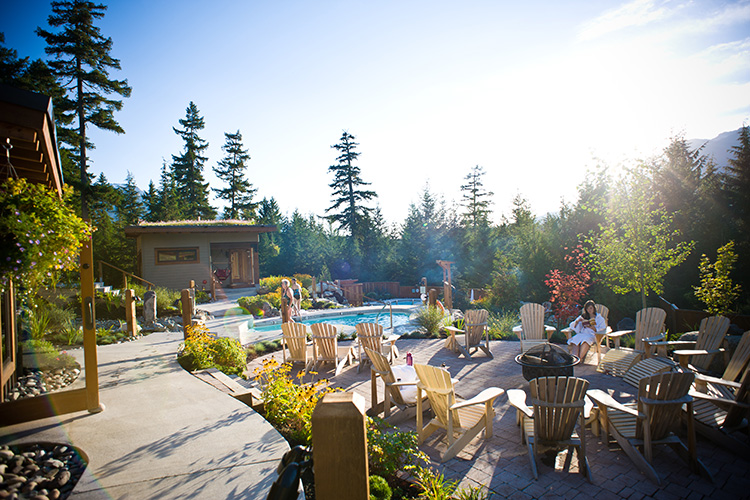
x=719 y=147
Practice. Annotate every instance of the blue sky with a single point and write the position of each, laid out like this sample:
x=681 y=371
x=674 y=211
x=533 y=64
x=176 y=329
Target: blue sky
x=535 y=92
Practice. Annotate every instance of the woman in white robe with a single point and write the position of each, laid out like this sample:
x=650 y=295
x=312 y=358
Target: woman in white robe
x=585 y=327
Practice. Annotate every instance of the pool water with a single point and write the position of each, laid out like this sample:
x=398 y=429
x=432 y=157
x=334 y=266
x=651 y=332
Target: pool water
x=347 y=320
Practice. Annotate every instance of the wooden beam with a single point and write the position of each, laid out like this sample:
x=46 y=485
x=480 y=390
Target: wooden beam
x=43 y=406
x=15 y=131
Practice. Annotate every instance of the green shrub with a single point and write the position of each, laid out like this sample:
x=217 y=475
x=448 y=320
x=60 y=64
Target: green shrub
x=254 y=304
x=47 y=357
x=430 y=320
x=289 y=406
x=434 y=485
x=390 y=450
x=37 y=322
x=501 y=325
x=35 y=345
x=202 y=350
x=379 y=489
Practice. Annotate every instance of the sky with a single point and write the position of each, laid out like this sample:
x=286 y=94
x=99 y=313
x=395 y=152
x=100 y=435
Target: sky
x=538 y=93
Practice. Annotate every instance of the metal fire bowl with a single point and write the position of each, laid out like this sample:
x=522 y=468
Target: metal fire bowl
x=530 y=371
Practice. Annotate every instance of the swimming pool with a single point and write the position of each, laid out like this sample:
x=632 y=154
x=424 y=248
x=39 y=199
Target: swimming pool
x=346 y=319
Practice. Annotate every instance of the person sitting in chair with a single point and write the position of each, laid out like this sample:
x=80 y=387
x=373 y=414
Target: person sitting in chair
x=585 y=326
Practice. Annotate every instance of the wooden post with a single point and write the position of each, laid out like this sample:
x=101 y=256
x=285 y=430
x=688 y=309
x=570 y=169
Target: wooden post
x=187 y=308
x=130 y=312
x=314 y=289
x=89 y=328
x=433 y=297
x=284 y=312
x=339 y=435
x=447 y=296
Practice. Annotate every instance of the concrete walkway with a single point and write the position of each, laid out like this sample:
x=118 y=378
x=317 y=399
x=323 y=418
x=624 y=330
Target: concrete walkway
x=164 y=433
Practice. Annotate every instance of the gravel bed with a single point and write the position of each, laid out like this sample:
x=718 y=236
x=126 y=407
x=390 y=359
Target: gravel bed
x=35 y=382
x=40 y=471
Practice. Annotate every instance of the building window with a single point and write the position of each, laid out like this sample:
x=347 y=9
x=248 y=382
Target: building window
x=185 y=255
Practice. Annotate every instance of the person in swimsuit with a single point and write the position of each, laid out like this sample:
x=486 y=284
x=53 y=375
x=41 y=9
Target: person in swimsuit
x=297 y=297
x=287 y=297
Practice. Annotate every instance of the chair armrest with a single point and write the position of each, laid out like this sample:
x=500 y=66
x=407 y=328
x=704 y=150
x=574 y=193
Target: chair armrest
x=620 y=333
x=603 y=399
x=717 y=400
x=518 y=330
x=655 y=402
x=517 y=398
x=486 y=395
x=670 y=343
x=698 y=352
x=588 y=405
x=716 y=380
x=567 y=332
x=655 y=338
x=453 y=329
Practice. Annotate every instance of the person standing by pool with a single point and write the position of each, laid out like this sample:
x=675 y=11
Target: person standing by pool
x=296 y=297
x=586 y=325
x=287 y=299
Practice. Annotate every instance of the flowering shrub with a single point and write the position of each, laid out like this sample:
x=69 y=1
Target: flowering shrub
x=40 y=235
x=204 y=350
x=567 y=289
x=288 y=405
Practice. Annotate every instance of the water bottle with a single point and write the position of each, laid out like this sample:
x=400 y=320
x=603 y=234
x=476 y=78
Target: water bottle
x=409 y=359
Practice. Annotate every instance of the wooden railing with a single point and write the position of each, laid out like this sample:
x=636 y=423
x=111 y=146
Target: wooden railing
x=125 y=275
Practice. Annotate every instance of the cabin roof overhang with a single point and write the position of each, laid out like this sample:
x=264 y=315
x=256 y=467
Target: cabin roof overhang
x=201 y=227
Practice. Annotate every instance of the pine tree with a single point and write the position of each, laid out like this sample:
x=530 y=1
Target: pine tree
x=346 y=188
x=268 y=247
x=150 y=201
x=737 y=180
x=165 y=205
x=476 y=200
x=81 y=63
x=231 y=169
x=187 y=169
x=131 y=208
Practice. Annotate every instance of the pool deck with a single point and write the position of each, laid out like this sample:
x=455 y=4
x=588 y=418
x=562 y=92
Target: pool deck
x=502 y=464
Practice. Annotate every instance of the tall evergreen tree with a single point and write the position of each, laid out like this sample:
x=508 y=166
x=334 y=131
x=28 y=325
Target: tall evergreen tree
x=231 y=169
x=737 y=181
x=475 y=199
x=81 y=62
x=150 y=202
x=268 y=244
x=187 y=168
x=130 y=208
x=349 y=212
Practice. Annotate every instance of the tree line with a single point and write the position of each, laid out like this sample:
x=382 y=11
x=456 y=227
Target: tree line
x=646 y=231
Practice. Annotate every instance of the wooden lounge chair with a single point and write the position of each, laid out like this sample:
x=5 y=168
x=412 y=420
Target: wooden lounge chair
x=461 y=420
x=726 y=386
x=469 y=340
x=294 y=339
x=326 y=348
x=711 y=334
x=532 y=330
x=649 y=324
x=370 y=335
x=400 y=389
x=600 y=335
x=650 y=421
x=557 y=403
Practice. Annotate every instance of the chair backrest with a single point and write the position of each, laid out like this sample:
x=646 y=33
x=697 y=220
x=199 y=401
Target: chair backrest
x=649 y=322
x=295 y=337
x=670 y=390
x=532 y=321
x=475 y=323
x=325 y=342
x=558 y=403
x=739 y=359
x=604 y=311
x=735 y=413
x=370 y=335
x=383 y=368
x=438 y=385
x=710 y=336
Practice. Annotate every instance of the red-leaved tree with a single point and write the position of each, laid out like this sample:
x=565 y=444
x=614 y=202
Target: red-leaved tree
x=568 y=288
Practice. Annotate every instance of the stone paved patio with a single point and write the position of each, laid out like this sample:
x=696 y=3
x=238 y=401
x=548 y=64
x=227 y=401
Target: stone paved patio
x=502 y=464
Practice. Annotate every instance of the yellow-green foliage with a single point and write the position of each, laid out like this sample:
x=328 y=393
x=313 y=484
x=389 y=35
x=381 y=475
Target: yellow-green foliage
x=717 y=290
x=204 y=350
x=288 y=404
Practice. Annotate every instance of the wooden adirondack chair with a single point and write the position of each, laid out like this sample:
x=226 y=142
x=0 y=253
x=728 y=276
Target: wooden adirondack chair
x=326 y=348
x=650 y=421
x=649 y=324
x=400 y=389
x=370 y=335
x=604 y=311
x=557 y=403
x=722 y=405
x=294 y=339
x=711 y=334
x=461 y=420
x=532 y=330
x=469 y=340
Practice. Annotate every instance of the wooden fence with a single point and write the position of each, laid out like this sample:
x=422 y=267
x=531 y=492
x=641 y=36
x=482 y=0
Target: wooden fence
x=686 y=320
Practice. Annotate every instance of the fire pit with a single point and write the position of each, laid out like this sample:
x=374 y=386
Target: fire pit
x=547 y=360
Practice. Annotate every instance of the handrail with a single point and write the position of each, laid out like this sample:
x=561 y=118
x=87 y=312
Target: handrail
x=381 y=309
x=124 y=275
